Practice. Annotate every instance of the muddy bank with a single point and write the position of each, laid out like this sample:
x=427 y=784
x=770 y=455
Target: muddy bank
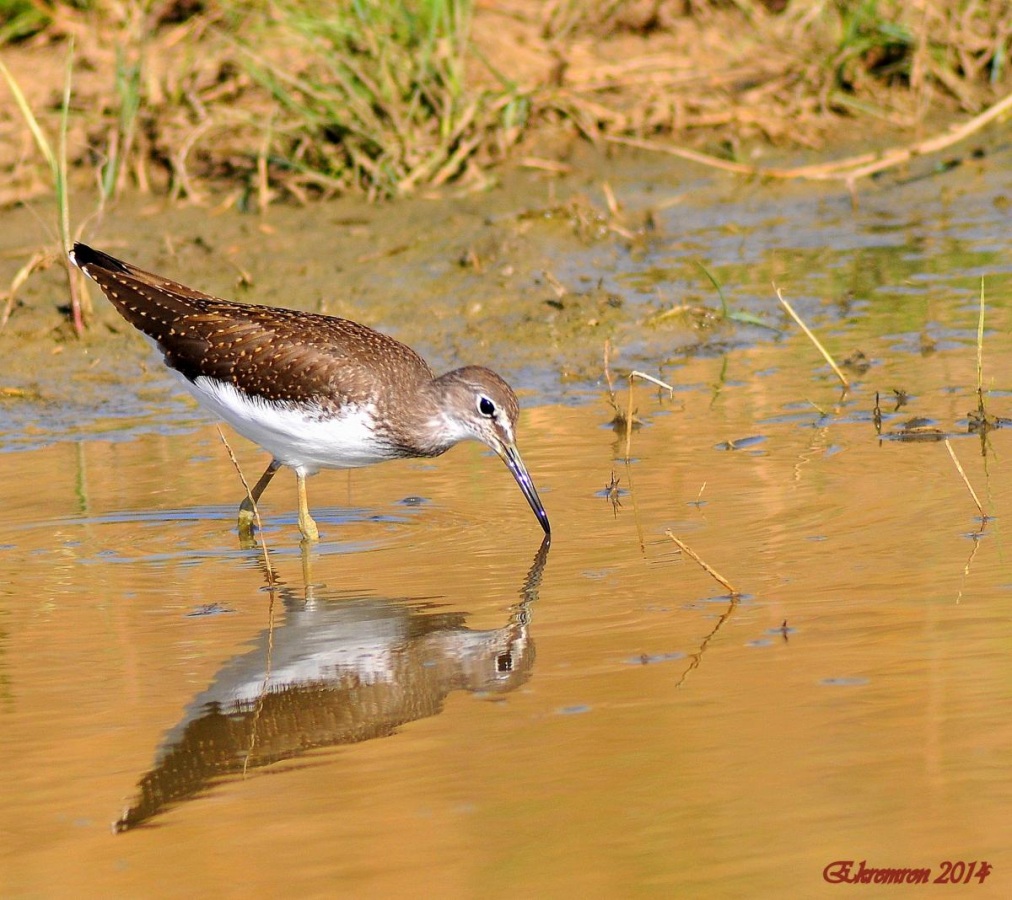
x=291 y=102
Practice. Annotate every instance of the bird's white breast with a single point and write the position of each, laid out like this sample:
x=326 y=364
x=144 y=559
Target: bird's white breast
x=305 y=438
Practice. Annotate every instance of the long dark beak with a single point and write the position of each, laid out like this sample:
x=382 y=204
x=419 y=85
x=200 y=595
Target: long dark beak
x=511 y=456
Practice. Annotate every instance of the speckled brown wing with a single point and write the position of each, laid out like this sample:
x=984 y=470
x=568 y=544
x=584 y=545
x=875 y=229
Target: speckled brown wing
x=270 y=352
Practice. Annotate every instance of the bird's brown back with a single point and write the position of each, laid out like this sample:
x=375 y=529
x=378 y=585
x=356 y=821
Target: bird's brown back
x=271 y=352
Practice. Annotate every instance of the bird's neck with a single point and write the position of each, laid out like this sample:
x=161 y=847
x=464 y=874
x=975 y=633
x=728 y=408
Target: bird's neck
x=425 y=425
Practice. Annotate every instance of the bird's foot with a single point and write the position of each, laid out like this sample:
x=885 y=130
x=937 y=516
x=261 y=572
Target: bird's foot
x=308 y=528
x=247 y=519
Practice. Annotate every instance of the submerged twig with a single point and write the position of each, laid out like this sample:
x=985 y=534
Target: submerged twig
x=265 y=685
x=696 y=659
x=272 y=584
x=966 y=480
x=975 y=537
x=652 y=380
x=712 y=572
x=979 y=419
x=813 y=339
x=980 y=346
x=271 y=578
x=629 y=416
x=981 y=410
x=607 y=371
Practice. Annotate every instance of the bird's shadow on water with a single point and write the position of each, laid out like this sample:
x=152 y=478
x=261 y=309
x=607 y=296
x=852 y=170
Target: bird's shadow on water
x=331 y=518
x=331 y=670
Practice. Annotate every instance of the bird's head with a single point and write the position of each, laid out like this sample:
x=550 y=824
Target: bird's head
x=476 y=404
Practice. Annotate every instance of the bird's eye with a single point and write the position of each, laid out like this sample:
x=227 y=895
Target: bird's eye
x=486 y=407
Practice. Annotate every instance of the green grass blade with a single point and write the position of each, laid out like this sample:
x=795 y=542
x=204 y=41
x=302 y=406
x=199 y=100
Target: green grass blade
x=720 y=290
x=33 y=124
x=62 y=187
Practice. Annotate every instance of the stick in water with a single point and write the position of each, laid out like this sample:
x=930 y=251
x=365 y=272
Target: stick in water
x=966 y=480
x=713 y=573
x=813 y=339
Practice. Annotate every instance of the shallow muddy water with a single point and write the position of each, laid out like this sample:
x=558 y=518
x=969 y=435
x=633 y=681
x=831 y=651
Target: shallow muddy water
x=429 y=697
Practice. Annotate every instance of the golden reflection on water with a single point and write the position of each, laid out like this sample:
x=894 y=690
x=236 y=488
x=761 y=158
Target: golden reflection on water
x=852 y=705
x=329 y=671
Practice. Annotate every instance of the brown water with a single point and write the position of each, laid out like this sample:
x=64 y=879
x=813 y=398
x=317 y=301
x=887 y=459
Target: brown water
x=427 y=705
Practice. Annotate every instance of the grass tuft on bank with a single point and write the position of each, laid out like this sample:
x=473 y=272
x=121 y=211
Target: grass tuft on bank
x=300 y=98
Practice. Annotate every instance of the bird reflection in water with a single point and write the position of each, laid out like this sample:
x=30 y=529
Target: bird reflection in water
x=332 y=672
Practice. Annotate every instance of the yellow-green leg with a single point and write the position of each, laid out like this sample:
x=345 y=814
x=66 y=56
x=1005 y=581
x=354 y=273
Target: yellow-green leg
x=306 y=524
x=247 y=517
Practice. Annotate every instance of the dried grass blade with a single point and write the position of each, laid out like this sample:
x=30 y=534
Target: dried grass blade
x=271 y=578
x=966 y=480
x=712 y=572
x=813 y=339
